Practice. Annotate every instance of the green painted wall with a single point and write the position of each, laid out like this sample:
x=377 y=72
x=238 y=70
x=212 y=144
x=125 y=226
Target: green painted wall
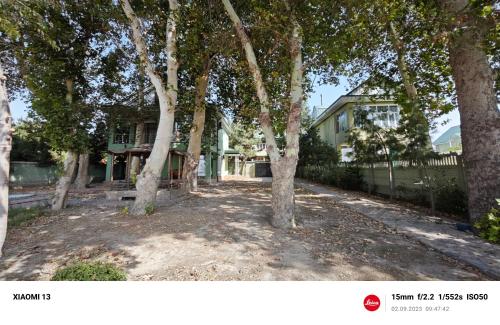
x=409 y=177
x=118 y=146
x=108 y=168
x=24 y=173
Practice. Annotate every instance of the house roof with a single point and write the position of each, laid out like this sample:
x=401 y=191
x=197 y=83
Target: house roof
x=445 y=137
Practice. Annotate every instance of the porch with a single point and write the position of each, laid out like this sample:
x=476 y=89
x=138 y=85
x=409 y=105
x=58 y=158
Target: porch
x=119 y=167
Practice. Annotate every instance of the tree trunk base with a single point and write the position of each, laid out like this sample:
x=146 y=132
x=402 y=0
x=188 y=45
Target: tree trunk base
x=283 y=198
x=191 y=174
x=83 y=172
x=64 y=182
x=147 y=185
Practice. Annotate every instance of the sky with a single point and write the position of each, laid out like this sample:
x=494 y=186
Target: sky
x=322 y=96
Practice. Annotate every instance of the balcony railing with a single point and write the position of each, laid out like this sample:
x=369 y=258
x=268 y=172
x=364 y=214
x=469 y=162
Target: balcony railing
x=259 y=147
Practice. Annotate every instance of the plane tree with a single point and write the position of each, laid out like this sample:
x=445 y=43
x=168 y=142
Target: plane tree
x=165 y=84
x=282 y=45
x=200 y=49
x=59 y=81
x=434 y=56
x=11 y=82
x=470 y=32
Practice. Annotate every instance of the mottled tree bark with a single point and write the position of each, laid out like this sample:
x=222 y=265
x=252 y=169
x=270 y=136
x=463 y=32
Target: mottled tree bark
x=139 y=129
x=134 y=165
x=190 y=169
x=82 y=179
x=477 y=104
x=64 y=181
x=397 y=43
x=149 y=179
x=283 y=167
x=5 y=148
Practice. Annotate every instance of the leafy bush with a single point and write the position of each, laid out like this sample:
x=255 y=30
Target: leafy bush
x=89 y=271
x=329 y=176
x=133 y=178
x=149 y=209
x=318 y=173
x=22 y=216
x=489 y=225
x=314 y=150
x=451 y=198
x=351 y=178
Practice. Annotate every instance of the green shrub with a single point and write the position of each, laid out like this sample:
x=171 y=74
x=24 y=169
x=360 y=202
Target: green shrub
x=89 y=271
x=149 y=209
x=133 y=178
x=351 y=178
x=328 y=175
x=451 y=198
x=325 y=174
x=489 y=225
x=22 y=216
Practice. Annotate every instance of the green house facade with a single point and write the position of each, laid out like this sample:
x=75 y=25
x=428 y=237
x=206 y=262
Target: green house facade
x=216 y=163
x=121 y=148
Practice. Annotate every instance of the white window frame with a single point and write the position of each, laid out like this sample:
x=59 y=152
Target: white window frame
x=389 y=110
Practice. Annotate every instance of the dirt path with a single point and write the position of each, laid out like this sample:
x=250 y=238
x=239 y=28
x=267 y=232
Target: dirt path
x=222 y=233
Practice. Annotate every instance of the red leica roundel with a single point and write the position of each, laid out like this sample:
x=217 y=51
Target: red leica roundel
x=371 y=302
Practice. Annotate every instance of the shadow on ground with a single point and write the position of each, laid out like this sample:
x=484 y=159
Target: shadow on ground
x=223 y=233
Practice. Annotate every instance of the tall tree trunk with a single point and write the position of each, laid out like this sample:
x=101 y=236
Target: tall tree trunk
x=477 y=104
x=391 y=178
x=139 y=129
x=134 y=165
x=149 y=179
x=283 y=199
x=194 y=148
x=82 y=179
x=64 y=182
x=397 y=43
x=419 y=120
x=5 y=147
x=283 y=194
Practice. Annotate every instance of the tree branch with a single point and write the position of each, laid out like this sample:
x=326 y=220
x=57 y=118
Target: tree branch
x=140 y=45
x=264 y=116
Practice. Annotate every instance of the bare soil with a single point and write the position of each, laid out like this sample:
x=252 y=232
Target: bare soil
x=223 y=233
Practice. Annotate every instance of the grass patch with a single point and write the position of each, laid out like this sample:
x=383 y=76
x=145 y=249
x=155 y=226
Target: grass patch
x=22 y=216
x=90 y=271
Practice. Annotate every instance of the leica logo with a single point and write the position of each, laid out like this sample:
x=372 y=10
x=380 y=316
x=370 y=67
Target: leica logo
x=371 y=302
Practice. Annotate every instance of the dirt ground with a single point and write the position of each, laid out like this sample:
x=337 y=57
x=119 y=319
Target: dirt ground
x=223 y=233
